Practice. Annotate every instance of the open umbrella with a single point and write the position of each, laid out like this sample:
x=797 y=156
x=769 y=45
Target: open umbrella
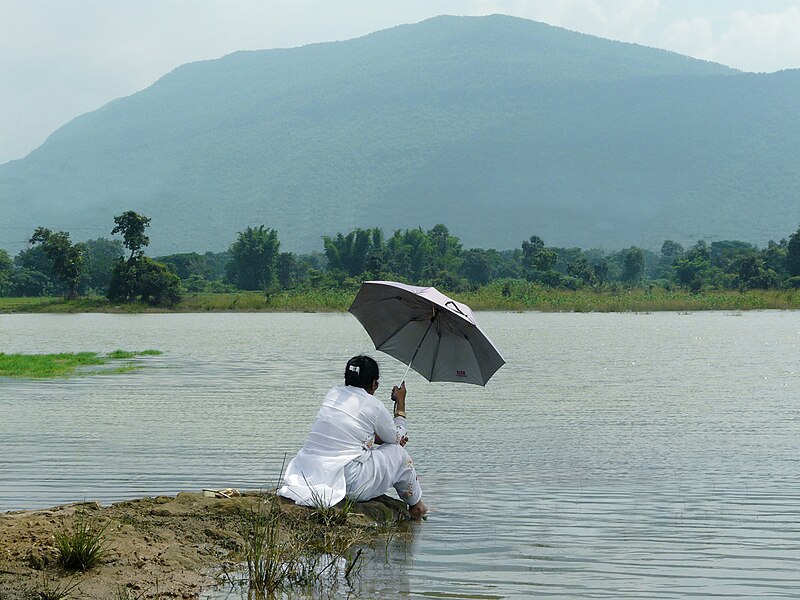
x=431 y=333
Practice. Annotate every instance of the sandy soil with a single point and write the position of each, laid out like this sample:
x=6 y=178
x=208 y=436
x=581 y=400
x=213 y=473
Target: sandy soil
x=161 y=547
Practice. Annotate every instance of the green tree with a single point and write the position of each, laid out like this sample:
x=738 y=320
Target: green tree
x=34 y=272
x=694 y=267
x=6 y=270
x=27 y=282
x=286 y=270
x=544 y=259
x=66 y=258
x=601 y=270
x=156 y=285
x=186 y=264
x=34 y=258
x=132 y=226
x=140 y=277
x=537 y=259
x=375 y=265
x=581 y=270
x=6 y=263
x=633 y=265
x=124 y=285
x=253 y=258
x=753 y=274
x=99 y=258
x=348 y=253
x=445 y=253
x=670 y=251
x=479 y=266
x=774 y=256
x=793 y=254
x=408 y=254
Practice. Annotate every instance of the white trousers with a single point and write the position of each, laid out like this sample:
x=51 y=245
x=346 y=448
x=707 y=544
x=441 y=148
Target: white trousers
x=388 y=465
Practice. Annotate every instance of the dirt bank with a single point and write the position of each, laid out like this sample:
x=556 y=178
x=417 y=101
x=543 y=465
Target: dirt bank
x=161 y=547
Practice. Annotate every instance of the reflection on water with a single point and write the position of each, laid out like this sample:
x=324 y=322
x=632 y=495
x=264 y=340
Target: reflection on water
x=615 y=455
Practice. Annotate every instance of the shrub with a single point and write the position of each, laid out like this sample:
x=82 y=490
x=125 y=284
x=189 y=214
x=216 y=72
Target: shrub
x=146 y=279
x=792 y=283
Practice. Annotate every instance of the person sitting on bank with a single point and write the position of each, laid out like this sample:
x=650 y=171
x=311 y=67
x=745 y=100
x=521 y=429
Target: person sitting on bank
x=355 y=448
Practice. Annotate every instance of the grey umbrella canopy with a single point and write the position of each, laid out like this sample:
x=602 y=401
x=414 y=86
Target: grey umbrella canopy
x=433 y=334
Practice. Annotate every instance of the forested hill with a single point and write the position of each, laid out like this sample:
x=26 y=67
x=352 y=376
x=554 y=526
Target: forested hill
x=497 y=126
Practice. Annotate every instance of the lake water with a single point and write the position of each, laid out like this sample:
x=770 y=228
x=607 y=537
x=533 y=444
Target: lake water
x=614 y=456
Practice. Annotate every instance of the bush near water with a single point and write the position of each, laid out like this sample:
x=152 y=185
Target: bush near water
x=722 y=274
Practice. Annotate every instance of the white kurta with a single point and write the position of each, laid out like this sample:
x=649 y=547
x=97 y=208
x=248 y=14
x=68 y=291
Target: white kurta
x=344 y=431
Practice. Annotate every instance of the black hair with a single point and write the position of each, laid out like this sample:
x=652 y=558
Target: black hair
x=361 y=371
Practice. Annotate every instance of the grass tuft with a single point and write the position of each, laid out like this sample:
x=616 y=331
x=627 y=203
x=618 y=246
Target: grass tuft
x=54 y=591
x=304 y=554
x=81 y=547
x=268 y=562
x=309 y=552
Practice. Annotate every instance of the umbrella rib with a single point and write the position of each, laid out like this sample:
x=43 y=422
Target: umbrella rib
x=436 y=352
x=394 y=333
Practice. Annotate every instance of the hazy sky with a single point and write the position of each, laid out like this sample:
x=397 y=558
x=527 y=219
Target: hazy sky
x=62 y=58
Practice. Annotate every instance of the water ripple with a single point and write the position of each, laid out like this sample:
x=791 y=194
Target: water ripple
x=614 y=456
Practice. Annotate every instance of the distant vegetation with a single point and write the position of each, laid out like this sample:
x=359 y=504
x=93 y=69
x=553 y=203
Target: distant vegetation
x=728 y=274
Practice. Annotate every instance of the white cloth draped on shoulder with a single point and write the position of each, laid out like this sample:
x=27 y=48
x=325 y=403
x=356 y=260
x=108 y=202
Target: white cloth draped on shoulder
x=344 y=434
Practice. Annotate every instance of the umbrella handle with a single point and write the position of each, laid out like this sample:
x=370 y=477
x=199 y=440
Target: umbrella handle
x=405 y=374
x=424 y=335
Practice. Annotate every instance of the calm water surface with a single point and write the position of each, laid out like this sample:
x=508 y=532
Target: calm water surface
x=614 y=456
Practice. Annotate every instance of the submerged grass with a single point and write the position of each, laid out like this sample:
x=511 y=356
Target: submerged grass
x=300 y=552
x=47 y=366
x=311 y=550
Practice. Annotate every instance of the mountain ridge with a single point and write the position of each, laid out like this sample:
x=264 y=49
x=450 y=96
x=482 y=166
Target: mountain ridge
x=556 y=133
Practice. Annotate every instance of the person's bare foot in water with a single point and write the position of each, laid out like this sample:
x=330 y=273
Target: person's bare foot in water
x=418 y=511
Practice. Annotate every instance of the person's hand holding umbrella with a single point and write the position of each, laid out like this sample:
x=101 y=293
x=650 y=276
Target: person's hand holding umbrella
x=399 y=397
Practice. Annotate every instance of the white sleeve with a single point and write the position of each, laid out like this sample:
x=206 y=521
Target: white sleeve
x=390 y=431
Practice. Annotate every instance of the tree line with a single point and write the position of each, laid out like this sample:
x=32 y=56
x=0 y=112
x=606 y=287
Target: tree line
x=119 y=269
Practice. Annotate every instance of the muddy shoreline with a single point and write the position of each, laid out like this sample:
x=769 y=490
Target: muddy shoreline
x=161 y=547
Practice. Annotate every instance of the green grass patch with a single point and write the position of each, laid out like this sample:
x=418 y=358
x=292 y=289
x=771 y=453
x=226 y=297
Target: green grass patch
x=515 y=295
x=328 y=300
x=48 y=366
x=121 y=354
x=521 y=296
x=56 y=305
